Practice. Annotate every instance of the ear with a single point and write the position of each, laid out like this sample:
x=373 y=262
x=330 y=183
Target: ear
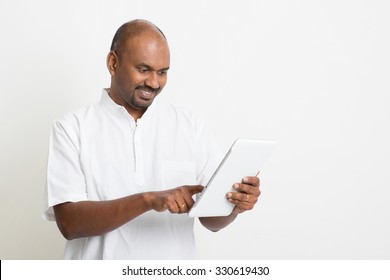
x=112 y=61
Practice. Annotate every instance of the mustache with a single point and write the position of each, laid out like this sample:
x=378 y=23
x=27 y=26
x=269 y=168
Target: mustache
x=148 y=89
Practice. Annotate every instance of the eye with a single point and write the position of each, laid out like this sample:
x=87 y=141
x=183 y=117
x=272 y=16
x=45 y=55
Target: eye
x=162 y=72
x=143 y=70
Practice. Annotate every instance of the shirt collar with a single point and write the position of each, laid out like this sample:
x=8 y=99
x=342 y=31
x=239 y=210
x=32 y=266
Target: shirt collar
x=111 y=106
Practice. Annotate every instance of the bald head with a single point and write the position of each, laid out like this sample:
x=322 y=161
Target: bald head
x=133 y=29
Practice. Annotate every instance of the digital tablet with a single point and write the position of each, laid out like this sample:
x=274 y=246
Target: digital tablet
x=244 y=158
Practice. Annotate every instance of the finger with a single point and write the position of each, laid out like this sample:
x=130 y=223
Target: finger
x=194 y=189
x=172 y=206
x=188 y=201
x=241 y=197
x=253 y=181
x=182 y=207
x=184 y=194
x=242 y=205
x=249 y=189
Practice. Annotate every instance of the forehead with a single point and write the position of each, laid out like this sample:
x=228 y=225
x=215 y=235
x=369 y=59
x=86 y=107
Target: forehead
x=147 y=48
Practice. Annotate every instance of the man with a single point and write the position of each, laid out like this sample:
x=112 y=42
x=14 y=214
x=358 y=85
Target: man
x=122 y=173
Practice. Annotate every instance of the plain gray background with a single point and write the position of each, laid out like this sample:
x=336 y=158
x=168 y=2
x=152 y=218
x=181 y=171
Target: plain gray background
x=313 y=75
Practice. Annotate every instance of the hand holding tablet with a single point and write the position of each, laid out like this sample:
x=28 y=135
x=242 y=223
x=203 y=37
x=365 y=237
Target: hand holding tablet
x=244 y=158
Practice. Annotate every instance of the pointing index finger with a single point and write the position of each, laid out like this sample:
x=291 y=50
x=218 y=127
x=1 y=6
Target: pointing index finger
x=195 y=189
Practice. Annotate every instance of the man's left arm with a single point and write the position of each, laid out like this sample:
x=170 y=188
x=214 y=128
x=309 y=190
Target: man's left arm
x=244 y=199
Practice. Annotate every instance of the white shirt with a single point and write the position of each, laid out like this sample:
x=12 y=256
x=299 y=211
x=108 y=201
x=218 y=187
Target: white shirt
x=100 y=153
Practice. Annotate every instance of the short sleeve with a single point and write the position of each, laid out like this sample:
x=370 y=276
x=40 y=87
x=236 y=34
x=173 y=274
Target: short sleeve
x=65 y=179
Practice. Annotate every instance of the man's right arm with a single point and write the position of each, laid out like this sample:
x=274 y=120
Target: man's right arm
x=92 y=218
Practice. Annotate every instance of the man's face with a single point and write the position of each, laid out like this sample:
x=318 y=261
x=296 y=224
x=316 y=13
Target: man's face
x=139 y=72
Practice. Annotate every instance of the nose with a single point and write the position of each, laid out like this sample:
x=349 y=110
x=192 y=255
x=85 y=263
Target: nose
x=152 y=80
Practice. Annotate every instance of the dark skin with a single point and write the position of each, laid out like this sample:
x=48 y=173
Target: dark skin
x=138 y=74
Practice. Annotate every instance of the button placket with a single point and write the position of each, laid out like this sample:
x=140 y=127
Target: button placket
x=138 y=154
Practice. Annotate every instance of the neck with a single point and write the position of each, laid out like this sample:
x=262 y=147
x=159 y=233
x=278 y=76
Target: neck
x=135 y=113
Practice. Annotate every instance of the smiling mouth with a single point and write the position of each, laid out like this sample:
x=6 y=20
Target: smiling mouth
x=147 y=93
